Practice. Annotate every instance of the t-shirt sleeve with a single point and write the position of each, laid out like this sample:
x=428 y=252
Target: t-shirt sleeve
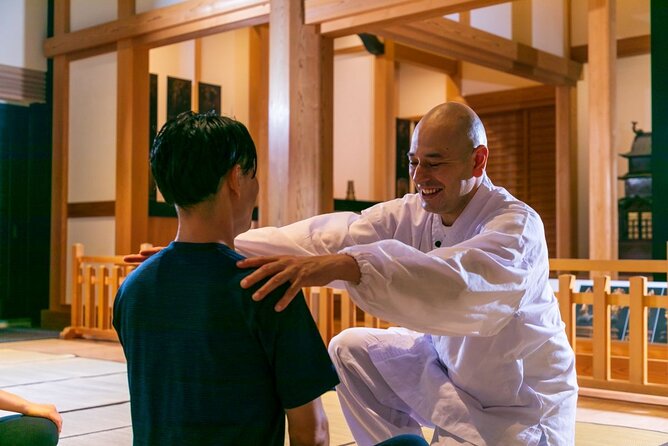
x=302 y=367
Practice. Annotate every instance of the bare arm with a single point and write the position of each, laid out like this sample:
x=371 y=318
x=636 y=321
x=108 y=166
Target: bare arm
x=14 y=403
x=300 y=271
x=308 y=425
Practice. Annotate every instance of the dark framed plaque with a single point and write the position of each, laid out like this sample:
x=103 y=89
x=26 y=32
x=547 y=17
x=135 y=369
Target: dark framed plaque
x=179 y=94
x=209 y=97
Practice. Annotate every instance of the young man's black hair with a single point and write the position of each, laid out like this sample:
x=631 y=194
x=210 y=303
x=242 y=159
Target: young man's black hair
x=193 y=152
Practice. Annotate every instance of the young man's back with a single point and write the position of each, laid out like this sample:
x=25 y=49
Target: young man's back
x=206 y=363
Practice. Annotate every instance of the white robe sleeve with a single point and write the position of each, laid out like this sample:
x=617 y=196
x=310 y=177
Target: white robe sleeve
x=472 y=288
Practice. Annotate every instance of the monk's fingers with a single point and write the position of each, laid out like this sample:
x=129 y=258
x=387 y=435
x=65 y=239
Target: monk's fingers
x=256 y=262
x=148 y=252
x=264 y=271
x=273 y=283
x=289 y=294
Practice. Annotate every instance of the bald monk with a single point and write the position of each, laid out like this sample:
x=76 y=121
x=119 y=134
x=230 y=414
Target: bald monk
x=462 y=265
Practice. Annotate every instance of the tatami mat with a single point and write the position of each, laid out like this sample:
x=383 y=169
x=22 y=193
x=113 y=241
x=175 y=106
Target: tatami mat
x=21 y=373
x=81 y=422
x=92 y=396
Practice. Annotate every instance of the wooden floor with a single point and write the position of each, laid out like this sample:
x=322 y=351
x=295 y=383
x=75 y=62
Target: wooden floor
x=649 y=417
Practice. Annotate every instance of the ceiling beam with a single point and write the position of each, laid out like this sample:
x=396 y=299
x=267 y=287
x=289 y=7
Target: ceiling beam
x=344 y=17
x=403 y=53
x=186 y=14
x=626 y=47
x=454 y=40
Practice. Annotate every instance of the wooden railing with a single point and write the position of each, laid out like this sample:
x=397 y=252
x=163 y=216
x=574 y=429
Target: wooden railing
x=627 y=365
x=95 y=280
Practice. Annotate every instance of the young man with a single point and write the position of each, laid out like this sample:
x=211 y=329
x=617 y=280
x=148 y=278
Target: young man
x=206 y=364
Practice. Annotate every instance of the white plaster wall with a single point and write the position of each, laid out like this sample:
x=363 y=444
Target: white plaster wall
x=496 y=19
x=22 y=31
x=548 y=25
x=353 y=124
x=225 y=62
x=419 y=90
x=177 y=60
x=92 y=129
x=98 y=237
x=147 y=5
x=477 y=79
x=87 y=13
x=632 y=18
x=633 y=103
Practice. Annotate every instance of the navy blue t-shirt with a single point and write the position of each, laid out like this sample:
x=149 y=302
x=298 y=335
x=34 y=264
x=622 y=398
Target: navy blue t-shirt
x=207 y=365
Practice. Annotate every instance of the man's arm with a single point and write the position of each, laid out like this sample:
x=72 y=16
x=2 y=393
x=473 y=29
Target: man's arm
x=308 y=425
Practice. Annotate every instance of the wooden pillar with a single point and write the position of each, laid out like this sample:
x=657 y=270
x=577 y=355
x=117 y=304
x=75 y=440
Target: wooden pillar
x=567 y=172
x=300 y=116
x=132 y=147
x=258 y=111
x=659 y=18
x=522 y=22
x=602 y=154
x=566 y=156
x=59 y=167
x=384 y=125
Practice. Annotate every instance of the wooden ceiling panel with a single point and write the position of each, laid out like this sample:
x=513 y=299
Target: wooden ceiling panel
x=344 y=17
x=455 y=40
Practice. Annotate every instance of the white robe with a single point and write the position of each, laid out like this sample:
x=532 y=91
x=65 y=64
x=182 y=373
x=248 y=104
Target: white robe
x=484 y=298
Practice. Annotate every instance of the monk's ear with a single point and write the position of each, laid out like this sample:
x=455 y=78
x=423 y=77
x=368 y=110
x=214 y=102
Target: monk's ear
x=480 y=155
x=233 y=179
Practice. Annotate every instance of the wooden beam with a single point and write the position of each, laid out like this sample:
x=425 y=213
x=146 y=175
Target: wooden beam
x=566 y=169
x=461 y=42
x=254 y=16
x=258 y=111
x=339 y=18
x=384 y=125
x=602 y=150
x=627 y=47
x=511 y=100
x=300 y=116
x=404 y=53
x=61 y=17
x=132 y=147
x=91 y=209
x=194 y=14
x=197 y=75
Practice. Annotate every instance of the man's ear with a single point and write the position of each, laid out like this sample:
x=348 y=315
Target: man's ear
x=233 y=180
x=480 y=160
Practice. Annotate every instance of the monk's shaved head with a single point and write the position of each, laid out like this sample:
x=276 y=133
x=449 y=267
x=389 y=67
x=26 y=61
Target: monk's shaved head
x=455 y=123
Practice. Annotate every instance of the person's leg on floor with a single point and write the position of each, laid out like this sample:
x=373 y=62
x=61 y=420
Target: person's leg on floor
x=372 y=409
x=21 y=430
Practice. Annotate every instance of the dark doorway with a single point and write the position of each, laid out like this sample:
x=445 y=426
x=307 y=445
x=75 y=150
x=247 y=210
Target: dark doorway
x=25 y=209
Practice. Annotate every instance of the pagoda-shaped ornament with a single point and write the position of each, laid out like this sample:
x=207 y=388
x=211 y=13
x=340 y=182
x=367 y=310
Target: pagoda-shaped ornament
x=635 y=208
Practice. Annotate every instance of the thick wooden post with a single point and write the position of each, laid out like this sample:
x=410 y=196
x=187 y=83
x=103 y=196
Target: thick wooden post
x=384 y=125
x=602 y=153
x=566 y=167
x=601 y=327
x=59 y=169
x=258 y=111
x=300 y=116
x=132 y=147
x=638 y=331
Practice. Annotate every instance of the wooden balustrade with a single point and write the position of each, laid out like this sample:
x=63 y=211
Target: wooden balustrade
x=627 y=365
x=95 y=280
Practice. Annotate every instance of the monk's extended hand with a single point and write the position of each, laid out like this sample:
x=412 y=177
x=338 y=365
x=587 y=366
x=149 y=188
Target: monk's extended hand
x=143 y=254
x=299 y=271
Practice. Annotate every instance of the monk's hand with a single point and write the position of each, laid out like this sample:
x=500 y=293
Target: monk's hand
x=299 y=272
x=143 y=254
